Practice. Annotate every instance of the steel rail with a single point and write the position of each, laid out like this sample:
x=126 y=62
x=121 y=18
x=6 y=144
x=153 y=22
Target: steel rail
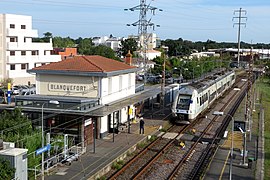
x=190 y=151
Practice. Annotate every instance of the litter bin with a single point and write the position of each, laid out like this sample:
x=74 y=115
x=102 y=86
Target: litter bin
x=250 y=160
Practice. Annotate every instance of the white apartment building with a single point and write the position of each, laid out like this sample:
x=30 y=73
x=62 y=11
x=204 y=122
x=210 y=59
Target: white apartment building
x=112 y=42
x=17 y=51
x=151 y=40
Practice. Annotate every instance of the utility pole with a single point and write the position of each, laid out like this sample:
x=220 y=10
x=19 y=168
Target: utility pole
x=239 y=23
x=162 y=103
x=143 y=23
x=248 y=112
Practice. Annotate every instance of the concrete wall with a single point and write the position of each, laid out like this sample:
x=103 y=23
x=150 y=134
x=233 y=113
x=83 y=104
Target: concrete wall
x=67 y=85
x=117 y=87
x=2 y=47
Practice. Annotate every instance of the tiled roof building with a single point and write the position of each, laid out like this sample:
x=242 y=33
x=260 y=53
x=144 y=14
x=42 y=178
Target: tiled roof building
x=90 y=64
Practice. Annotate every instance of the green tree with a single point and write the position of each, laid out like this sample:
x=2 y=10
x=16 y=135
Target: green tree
x=59 y=42
x=47 y=36
x=4 y=82
x=84 y=47
x=103 y=51
x=8 y=122
x=32 y=142
x=128 y=45
x=6 y=171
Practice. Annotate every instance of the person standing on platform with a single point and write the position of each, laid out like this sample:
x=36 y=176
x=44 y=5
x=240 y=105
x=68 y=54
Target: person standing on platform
x=141 y=125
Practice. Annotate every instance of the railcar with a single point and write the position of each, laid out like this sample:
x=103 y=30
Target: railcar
x=192 y=99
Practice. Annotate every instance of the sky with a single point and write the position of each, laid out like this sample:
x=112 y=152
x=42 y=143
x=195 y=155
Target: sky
x=194 y=20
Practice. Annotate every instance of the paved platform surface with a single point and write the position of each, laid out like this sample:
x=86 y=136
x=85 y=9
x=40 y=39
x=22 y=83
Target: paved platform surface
x=107 y=150
x=219 y=167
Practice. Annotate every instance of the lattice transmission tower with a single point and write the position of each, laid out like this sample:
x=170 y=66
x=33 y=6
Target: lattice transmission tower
x=240 y=18
x=143 y=24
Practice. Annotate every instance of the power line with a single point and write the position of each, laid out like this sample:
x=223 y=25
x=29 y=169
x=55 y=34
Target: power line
x=239 y=23
x=62 y=4
x=143 y=23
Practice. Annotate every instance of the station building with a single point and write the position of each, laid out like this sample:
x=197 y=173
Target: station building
x=92 y=92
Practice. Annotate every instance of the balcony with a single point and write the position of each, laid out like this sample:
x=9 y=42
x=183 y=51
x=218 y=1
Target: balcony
x=17 y=59
x=28 y=46
x=18 y=74
x=22 y=32
x=30 y=59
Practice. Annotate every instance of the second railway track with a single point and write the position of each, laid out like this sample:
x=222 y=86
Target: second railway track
x=164 y=158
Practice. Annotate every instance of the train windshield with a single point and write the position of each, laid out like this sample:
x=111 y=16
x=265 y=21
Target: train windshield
x=184 y=102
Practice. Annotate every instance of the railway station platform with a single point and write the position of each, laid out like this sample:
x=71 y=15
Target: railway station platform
x=96 y=161
x=219 y=167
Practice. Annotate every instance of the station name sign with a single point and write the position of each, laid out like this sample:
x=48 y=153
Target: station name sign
x=67 y=87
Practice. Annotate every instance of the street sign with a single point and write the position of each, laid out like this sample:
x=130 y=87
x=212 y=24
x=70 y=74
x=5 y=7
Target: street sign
x=43 y=149
x=239 y=124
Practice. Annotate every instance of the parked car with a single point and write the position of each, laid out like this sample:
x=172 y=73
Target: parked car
x=28 y=92
x=15 y=91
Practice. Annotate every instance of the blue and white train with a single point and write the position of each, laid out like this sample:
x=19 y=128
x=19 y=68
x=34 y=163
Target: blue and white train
x=192 y=99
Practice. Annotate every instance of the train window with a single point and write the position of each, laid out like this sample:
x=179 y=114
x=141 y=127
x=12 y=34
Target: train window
x=197 y=100
x=184 y=102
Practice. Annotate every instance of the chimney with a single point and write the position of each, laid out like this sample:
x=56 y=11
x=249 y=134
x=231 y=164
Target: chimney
x=129 y=58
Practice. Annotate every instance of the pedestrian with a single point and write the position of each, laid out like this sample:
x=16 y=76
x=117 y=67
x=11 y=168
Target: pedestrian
x=141 y=126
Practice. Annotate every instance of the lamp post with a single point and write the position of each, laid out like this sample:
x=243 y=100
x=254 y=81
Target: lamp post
x=219 y=113
x=42 y=134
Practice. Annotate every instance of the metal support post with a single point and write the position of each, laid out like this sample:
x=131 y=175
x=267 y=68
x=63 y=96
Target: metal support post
x=231 y=160
x=94 y=137
x=113 y=127
x=129 y=113
x=42 y=141
x=65 y=145
x=244 y=149
x=48 y=138
x=42 y=134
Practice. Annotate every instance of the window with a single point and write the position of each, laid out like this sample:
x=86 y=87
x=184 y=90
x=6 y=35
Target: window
x=120 y=82
x=12 y=26
x=13 y=39
x=34 y=53
x=109 y=85
x=42 y=64
x=23 y=26
x=23 y=66
x=129 y=81
x=12 y=67
x=23 y=53
x=12 y=53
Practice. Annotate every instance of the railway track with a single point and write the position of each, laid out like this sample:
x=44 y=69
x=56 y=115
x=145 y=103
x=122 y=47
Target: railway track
x=165 y=159
x=195 y=166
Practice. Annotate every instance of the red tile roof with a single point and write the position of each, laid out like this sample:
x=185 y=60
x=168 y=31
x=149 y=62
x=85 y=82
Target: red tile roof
x=86 y=64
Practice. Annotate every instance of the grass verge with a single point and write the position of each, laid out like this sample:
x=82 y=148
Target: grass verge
x=263 y=85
